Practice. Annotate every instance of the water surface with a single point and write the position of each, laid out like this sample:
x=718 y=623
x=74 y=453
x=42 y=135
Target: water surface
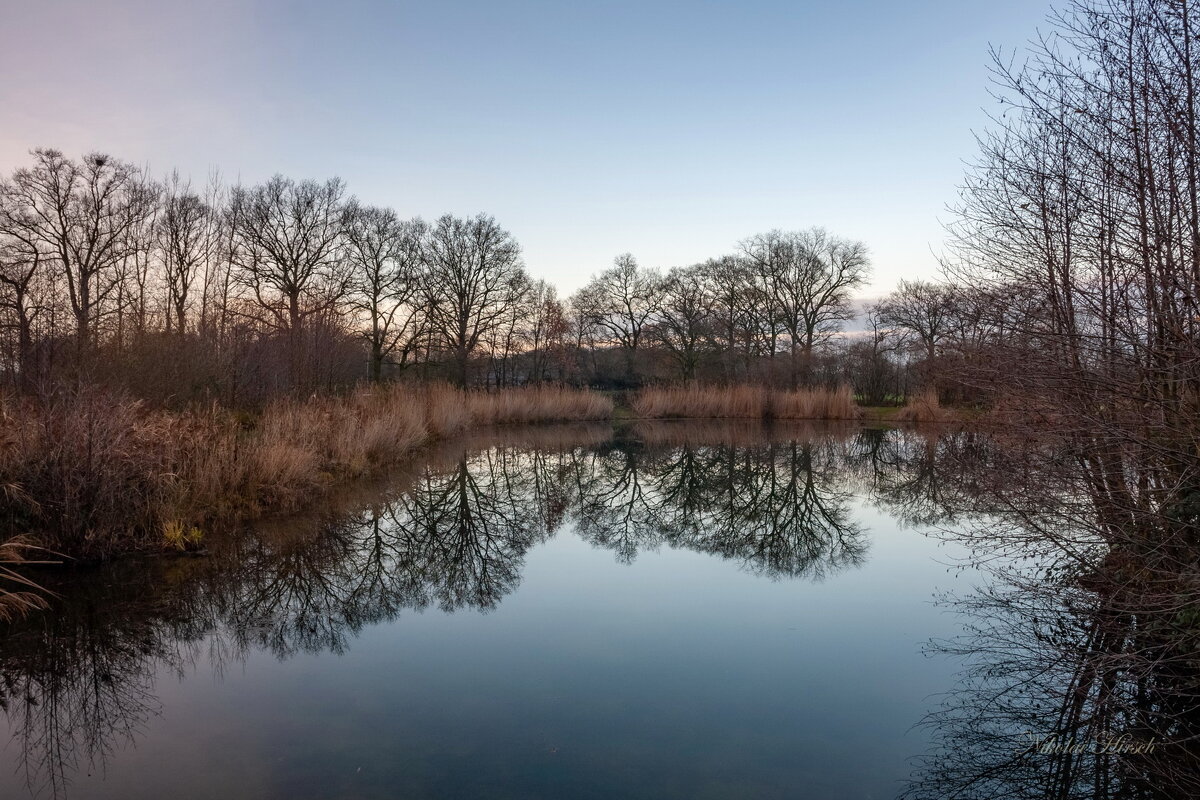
x=690 y=611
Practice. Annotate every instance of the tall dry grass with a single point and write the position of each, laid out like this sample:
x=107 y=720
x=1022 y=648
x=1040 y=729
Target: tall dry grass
x=538 y=404
x=828 y=404
x=701 y=402
x=448 y=410
x=93 y=473
x=925 y=408
x=745 y=402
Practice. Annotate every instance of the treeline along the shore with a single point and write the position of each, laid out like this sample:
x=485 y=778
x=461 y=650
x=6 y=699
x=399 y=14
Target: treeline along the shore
x=238 y=294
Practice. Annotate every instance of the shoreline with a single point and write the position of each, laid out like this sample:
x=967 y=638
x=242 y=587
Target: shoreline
x=96 y=474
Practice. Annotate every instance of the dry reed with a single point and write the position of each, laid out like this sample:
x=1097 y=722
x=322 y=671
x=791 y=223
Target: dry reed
x=745 y=402
x=735 y=432
x=18 y=594
x=538 y=404
x=925 y=408
x=826 y=404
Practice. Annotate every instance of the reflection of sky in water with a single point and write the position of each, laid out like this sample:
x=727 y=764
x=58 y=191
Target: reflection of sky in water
x=679 y=675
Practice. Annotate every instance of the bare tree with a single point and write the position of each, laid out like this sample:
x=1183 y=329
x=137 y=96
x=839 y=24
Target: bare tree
x=732 y=331
x=81 y=215
x=921 y=309
x=684 y=317
x=474 y=276
x=547 y=331
x=808 y=278
x=1081 y=222
x=21 y=264
x=288 y=240
x=869 y=364
x=386 y=282
x=288 y=250
x=217 y=287
x=182 y=236
x=620 y=303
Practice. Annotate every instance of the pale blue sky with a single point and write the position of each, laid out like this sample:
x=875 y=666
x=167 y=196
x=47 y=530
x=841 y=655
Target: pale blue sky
x=670 y=130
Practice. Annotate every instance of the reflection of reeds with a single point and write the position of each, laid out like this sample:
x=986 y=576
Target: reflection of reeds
x=734 y=432
x=746 y=402
x=556 y=437
x=448 y=410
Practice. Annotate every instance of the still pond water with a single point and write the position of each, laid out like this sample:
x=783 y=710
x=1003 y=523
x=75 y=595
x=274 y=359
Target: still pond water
x=676 y=611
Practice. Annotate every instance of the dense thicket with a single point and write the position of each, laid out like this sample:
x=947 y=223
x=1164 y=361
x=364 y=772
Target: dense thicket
x=1079 y=233
x=1079 y=226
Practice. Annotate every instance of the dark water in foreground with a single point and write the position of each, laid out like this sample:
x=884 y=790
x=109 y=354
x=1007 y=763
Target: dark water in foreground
x=676 y=612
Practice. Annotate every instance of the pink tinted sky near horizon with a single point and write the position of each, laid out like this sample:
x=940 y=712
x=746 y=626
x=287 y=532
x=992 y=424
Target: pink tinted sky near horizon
x=667 y=129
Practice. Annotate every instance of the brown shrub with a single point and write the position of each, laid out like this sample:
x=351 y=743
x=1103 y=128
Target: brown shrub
x=89 y=467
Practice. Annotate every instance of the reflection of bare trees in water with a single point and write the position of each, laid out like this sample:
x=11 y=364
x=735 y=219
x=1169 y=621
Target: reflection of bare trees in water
x=1083 y=670
x=1065 y=697
x=778 y=508
x=458 y=538
x=922 y=478
x=80 y=680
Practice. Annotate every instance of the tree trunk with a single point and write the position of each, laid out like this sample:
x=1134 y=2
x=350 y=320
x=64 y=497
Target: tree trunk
x=461 y=366
x=25 y=351
x=376 y=360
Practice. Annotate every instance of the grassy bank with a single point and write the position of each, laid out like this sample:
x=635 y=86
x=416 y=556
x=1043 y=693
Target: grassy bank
x=91 y=474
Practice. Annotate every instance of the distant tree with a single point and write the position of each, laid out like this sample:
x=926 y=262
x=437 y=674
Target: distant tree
x=869 y=362
x=182 y=235
x=920 y=309
x=134 y=303
x=21 y=265
x=474 y=275
x=547 y=330
x=386 y=277
x=81 y=216
x=583 y=339
x=289 y=246
x=510 y=338
x=620 y=303
x=288 y=250
x=731 y=330
x=685 y=317
x=808 y=278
